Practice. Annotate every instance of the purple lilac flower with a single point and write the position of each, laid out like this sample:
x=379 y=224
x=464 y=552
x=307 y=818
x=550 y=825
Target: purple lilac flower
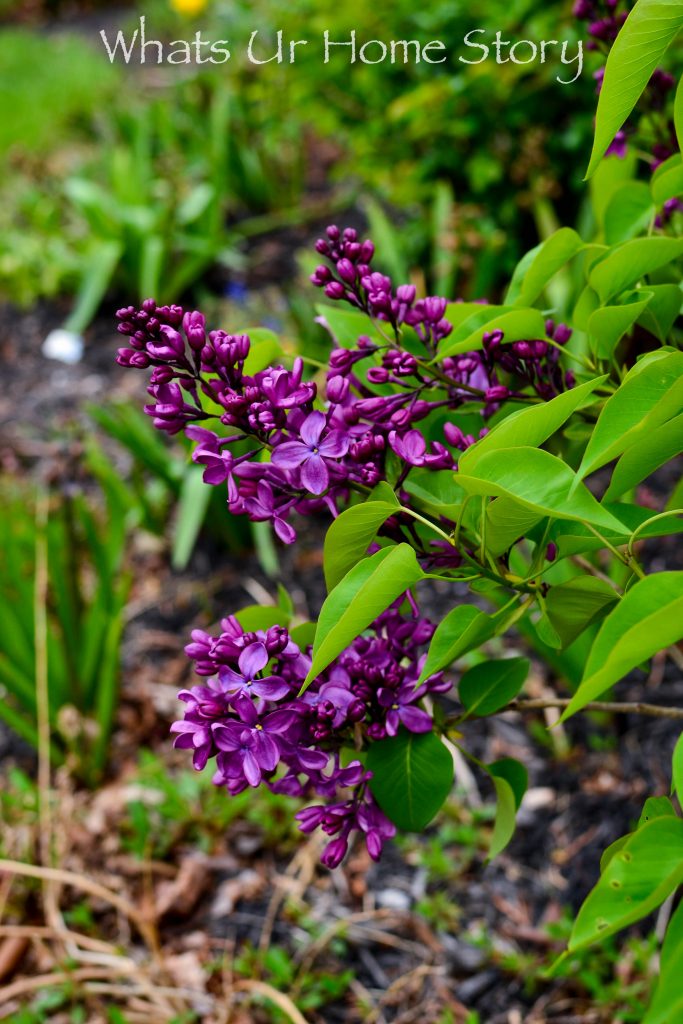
x=617 y=146
x=401 y=710
x=313 y=452
x=248 y=717
x=248 y=745
x=251 y=661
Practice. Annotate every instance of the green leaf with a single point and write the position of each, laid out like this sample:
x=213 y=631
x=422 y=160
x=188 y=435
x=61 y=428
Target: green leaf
x=491 y=685
x=516 y=325
x=628 y=212
x=386 y=234
x=108 y=680
x=350 y=535
x=622 y=267
x=609 y=852
x=637 y=879
x=303 y=635
x=514 y=773
x=548 y=257
x=648 y=618
x=667 y=1002
x=668 y=185
x=265 y=348
x=531 y=426
x=510 y=779
x=678 y=113
x=259 y=616
x=577 y=539
x=194 y=501
x=610 y=175
x=506 y=522
x=574 y=605
x=643 y=457
x=638 y=49
x=677 y=768
x=608 y=324
x=346 y=326
x=464 y=628
x=437 y=492
x=412 y=776
x=540 y=482
x=363 y=594
x=650 y=394
x=662 y=310
x=656 y=807
x=98 y=271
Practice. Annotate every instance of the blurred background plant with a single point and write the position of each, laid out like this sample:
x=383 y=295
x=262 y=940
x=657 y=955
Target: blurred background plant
x=176 y=169
x=63 y=590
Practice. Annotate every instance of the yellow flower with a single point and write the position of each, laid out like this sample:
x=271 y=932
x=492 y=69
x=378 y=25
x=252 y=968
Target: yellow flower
x=188 y=7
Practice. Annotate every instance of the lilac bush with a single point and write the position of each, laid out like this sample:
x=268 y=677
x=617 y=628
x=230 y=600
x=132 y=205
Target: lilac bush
x=448 y=440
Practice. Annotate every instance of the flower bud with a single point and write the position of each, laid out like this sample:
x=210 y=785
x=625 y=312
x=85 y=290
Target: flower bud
x=498 y=393
x=335 y=290
x=346 y=270
x=338 y=388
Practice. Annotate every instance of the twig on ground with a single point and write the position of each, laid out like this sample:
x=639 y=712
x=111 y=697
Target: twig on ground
x=85 y=884
x=282 y=1001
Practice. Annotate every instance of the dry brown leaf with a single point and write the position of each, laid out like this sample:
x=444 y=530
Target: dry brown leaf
x=181 y=895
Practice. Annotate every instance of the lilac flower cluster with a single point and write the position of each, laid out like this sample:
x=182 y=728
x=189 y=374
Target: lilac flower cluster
x=283 y=448
x=250 y=717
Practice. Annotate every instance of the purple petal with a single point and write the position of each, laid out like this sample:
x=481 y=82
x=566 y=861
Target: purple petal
x=265 y=494
x=266 y=751
x=252 y=659
x=271 y=689
x=314 y=760
x=201 y=434
x=414 y=719
x=228 y=736
x=285 y=532
x=414 y=445
x=215 y=474
x=290 y=455
x=335 y=445
x=392 y=722
x=244 y=707
x=230 y=681
x=314 y=475
x=312 y=427
x=252 y=769
x=201 y=756
x=255 y=510
x=386 y=697
x=280 y=721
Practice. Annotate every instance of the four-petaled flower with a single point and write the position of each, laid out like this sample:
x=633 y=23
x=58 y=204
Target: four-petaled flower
x=249 y=744
x=312 y=452
x=251 y=661
x=401 y=709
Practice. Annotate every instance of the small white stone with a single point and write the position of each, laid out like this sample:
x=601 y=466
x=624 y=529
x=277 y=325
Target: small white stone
x=64 y=346
x=393 y=899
